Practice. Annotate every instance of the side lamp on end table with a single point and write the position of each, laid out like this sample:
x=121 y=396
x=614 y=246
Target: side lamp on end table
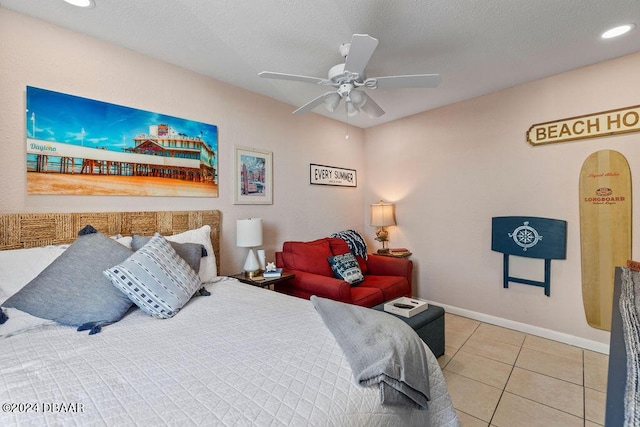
x=249 y=235
x=382 y=216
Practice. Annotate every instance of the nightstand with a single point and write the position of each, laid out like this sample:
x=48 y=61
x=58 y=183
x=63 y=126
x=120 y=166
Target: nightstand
x=395 y=254
x=261 y=281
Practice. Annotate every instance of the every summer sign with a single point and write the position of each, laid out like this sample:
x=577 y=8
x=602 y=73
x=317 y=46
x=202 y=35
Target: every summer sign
x=329 y=175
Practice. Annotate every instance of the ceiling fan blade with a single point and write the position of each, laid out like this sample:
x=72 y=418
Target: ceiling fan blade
x=370 y=108
x=362 y=47
x=313 y=103
x=409 y=81
x=293 y=77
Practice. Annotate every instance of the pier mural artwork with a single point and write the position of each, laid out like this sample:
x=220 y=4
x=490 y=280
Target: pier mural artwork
x=80 y=146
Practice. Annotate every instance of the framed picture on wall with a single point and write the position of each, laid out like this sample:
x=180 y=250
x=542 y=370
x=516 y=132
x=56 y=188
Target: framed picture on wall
x=82 y=146
x=253 y=177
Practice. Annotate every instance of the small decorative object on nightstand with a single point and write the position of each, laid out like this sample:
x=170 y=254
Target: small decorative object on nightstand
x=382 y=216
x=271 y=272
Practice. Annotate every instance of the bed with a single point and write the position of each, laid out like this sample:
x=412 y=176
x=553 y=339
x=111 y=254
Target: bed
x=242 y=355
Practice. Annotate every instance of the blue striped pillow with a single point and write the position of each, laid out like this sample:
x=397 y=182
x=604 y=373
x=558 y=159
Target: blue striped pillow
x=156 y=278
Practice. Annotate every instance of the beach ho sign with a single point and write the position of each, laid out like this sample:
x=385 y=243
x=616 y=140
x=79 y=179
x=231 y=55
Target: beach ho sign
x=612 y=122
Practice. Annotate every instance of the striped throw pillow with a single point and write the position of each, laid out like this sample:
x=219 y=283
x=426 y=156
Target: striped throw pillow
x=156 y=278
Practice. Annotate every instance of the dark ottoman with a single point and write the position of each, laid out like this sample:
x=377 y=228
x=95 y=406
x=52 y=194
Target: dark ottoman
x=429 y=325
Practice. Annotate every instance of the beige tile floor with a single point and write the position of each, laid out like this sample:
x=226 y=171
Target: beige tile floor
x=499 y=377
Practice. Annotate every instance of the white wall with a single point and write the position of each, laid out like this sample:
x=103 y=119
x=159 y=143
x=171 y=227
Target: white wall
x=38 y=54
x=451 y=170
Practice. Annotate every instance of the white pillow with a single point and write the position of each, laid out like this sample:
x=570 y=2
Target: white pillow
x=123 y=240
x=17 y=268
x=20 y=266
x=208 y=270
x=156 y=278
x=20 y=321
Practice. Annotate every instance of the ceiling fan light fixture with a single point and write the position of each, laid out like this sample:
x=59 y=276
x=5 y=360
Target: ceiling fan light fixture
x=332 y=101
x=357 y=98
x=346 y=78
x=351 y=109
x=82 y=3
x=618 y=31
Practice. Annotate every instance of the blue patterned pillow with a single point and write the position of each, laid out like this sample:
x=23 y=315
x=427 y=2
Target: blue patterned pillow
x=156 y=278
x=346 y=267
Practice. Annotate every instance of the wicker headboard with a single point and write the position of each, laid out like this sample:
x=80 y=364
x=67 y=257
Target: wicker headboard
x=40 y=229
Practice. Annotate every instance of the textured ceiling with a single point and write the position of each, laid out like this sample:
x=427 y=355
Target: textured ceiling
x=476 y=46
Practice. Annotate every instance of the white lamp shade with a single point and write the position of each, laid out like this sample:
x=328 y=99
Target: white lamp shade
x=357 y=98
x=81 y=3
x=249 y=232
x=383 y=214
x=351 y=109
x=332 y=101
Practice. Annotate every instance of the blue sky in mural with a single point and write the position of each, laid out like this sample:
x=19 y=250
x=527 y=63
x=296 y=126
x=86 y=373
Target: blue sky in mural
x=54 y=116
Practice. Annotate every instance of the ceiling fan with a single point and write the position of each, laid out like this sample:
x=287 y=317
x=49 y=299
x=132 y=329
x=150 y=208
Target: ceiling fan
x=349 y=77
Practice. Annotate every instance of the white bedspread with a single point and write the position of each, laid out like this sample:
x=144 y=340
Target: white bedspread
x=242 y=356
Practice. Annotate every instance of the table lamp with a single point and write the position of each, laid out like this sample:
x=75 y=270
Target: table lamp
x=249 y=235
x=382 y=215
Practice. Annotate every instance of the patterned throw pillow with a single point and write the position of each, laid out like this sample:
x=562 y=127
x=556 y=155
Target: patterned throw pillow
x=156 y=278
x=346 y=267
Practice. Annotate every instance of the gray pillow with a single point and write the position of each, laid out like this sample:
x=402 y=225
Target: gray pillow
x=72 y=290
x=190 y=252
x=156 y=278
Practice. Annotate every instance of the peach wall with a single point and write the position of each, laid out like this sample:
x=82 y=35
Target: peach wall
x=452 y=169
x=42 y=55
x=448 y=171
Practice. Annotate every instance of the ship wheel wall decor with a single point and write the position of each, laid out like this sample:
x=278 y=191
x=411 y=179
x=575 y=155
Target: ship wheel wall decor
x=530 y=237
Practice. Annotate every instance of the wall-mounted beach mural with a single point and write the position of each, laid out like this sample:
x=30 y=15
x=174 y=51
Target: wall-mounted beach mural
x=85 y=147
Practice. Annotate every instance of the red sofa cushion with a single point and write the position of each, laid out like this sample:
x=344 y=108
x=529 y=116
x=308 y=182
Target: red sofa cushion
x=366 y=297
x=311 y=257
x=391 y=286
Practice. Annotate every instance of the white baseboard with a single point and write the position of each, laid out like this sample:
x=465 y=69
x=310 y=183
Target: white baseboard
x=528 y=329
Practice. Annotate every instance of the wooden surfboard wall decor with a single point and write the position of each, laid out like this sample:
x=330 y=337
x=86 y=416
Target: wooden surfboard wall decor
x=605 y=231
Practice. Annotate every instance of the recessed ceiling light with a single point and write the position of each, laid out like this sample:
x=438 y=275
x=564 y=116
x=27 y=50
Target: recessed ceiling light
x=81 y=3
x=618 y=31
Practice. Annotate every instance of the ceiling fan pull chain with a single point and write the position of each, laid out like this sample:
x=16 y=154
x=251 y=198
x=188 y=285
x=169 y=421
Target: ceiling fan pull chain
x=346 y=110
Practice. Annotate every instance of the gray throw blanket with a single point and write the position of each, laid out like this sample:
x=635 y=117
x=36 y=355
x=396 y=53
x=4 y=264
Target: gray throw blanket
x=380 y=349
x=629 y=304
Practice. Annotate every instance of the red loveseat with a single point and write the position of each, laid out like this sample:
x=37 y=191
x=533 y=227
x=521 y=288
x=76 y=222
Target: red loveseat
x=385 y=278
